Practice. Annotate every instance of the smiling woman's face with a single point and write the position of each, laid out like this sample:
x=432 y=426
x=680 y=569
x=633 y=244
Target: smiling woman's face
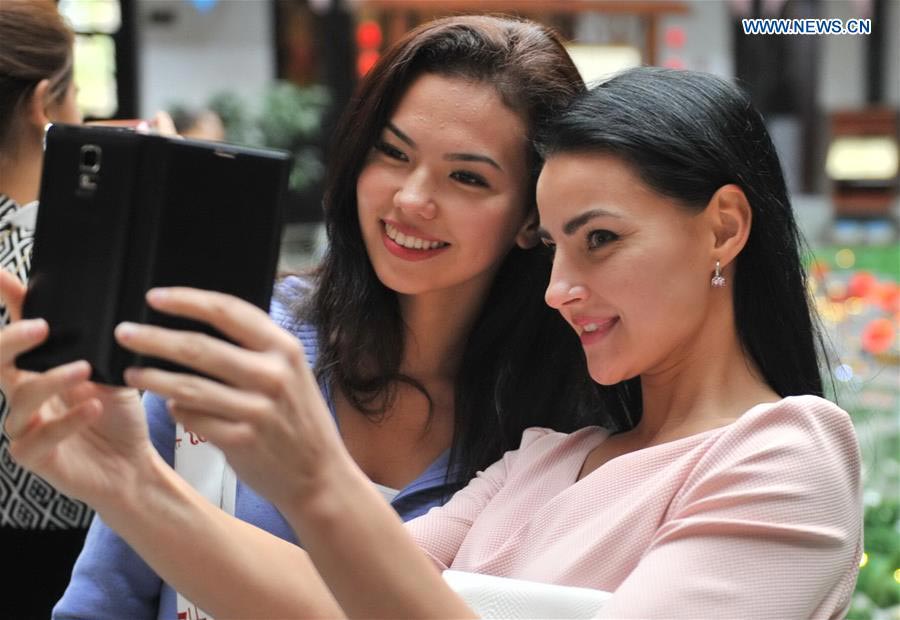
x=441 y=197
x=631 y=268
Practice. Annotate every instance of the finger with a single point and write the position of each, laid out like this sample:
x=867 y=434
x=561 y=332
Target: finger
x=43 y=436
x=219 y=431
x=239 y=320
x=12 y=294
x=199 y=393
x=21 y=336
x=32 y=392
x=115 y=396
x=206 y=354
x=80 y=392
x=163 y=124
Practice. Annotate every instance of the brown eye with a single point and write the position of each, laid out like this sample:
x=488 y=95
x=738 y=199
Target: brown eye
x=469 y=178
x=599 y=238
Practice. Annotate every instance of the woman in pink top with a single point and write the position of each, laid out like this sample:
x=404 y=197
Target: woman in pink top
x=735 y=493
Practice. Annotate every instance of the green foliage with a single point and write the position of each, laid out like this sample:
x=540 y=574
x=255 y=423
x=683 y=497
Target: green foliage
x=239 y=125
x=876 y=578
x=289 y=117
x=290 y=114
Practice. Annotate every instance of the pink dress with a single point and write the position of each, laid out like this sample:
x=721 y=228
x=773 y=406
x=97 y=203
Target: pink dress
x=758 y=519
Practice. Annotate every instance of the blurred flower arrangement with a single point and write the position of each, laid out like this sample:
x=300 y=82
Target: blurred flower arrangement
x=857 y=293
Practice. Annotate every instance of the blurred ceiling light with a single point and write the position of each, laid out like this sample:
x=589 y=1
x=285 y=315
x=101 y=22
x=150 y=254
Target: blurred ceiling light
x=862 y=158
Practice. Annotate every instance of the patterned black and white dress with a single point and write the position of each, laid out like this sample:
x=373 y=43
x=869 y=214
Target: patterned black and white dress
x=41 y=530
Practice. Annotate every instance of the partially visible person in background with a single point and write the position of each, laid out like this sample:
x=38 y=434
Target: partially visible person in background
x=41 y=529
x=204 y=124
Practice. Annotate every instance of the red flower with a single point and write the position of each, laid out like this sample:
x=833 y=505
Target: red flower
x=861 y=284
x=878 y=336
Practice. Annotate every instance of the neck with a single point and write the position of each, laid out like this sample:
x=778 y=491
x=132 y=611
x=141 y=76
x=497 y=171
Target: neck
x=708 y=384
x=437 y=328
x=20 y=173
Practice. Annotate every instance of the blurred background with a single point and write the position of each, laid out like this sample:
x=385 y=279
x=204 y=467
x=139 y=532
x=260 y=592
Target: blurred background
x=278 y=73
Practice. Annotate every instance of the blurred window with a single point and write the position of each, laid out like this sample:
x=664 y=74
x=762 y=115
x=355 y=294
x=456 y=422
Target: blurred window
x=93 y=16
x=95 y=22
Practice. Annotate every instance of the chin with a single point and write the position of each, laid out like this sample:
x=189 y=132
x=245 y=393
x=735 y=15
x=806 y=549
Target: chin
x=604 y=375
x=400 y=283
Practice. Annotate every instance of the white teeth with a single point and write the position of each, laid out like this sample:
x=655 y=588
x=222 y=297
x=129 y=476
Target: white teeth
x=590 y=327
x=410 y=242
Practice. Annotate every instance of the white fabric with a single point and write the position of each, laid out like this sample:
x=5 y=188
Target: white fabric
x=386 y=492
x=501 y=597
x=23 y=217
x=204 y=467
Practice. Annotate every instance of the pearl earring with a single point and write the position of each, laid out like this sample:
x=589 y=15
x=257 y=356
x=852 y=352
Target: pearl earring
x=718 y=280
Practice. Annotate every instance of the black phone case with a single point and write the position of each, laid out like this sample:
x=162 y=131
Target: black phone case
x=151 y=211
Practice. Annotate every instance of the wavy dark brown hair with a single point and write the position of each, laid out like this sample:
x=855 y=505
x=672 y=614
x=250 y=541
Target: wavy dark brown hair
x=522 y=365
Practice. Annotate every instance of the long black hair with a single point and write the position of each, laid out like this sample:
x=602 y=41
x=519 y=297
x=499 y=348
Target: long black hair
x=522 y=365
x=686 y=134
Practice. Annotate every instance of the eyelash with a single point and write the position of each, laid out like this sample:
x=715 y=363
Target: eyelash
x=598 y=238
x=469 y=178
x=390 y=151
x=462 y=176
x=595 y=240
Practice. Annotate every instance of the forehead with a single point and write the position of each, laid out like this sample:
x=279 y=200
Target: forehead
x=470 y=111
x=573 y=182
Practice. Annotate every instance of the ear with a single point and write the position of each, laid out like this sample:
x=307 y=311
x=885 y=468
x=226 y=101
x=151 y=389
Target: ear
x=730 y=219
x=527 y=237
x=37 y=104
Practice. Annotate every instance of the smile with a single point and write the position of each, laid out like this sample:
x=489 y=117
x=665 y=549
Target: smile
x=410 y=247
x=410 y=242
x=591 y=332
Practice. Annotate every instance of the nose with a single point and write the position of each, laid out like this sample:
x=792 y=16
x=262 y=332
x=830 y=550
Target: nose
x=564 y=289
x=416 y=196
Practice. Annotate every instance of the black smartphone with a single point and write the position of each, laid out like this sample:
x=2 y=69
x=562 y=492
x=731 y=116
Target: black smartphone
x=122 y=212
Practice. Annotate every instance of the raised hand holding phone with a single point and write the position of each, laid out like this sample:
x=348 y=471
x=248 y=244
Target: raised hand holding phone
x=87 y=440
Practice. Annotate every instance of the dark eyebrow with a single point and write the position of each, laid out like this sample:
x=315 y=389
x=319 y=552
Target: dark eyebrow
x=449 y=157
x=393 y=129
x=472 y=157
x=580 y=220
x=577 y=222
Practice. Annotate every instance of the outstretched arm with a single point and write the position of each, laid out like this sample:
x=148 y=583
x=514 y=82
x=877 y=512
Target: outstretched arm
x=264 y=409
x=91 y=442
x=266 y=412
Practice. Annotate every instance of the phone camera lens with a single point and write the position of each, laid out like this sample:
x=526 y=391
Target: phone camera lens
x=90 y=157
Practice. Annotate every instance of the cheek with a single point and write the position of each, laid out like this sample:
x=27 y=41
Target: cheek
x=665 y=305
x=492 y=235
x=371 y=196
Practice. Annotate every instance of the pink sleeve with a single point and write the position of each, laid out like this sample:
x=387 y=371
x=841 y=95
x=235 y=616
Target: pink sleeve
x=441 y=531
x=767 y=525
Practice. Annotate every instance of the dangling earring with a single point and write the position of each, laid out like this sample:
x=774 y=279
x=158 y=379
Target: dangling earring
x=718 y=280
